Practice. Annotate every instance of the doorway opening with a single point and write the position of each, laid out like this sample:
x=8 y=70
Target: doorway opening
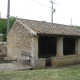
x=47 y=48
x=68 y=46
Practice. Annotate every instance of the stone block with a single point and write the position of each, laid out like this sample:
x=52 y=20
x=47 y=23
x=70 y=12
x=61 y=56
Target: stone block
x=66 y=60
x=42 y=63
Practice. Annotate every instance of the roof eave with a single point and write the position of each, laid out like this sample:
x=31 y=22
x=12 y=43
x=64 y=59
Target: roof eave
x=57 y=35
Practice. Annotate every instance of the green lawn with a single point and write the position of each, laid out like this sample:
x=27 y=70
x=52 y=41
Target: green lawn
x=47 y=74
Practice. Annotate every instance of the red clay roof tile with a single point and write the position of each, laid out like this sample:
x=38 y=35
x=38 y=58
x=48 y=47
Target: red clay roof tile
x=42 y=27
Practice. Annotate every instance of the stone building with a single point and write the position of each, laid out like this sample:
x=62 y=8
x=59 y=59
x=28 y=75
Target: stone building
x=47 y=42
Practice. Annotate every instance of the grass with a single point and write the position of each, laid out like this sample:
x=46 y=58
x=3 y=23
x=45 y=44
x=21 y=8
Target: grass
x=47 y=74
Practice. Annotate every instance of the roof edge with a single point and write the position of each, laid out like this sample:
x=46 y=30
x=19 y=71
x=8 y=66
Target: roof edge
x=45 y=22
x=32 y=31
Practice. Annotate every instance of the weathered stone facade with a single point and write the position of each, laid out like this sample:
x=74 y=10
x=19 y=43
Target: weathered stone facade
x=19 y=40
x=25 y=37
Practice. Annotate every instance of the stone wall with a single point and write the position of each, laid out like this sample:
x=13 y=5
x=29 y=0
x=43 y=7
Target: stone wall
x=18 y=39
x=3 y=49
x=65 y=60
x=1 y=38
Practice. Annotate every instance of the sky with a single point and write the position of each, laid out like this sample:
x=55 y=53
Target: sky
x=41 y=10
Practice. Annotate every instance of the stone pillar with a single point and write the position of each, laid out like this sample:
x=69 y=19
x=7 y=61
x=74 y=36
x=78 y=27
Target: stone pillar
x=77 y=46
x=35 y=60
x=59 y=46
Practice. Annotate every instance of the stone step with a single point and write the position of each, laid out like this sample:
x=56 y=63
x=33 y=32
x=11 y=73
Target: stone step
x=5 y=61
x=1 y=58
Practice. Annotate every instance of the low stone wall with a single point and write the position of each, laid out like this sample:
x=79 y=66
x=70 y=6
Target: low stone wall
x=42 y=63
x=65 y=60
x=3 y=49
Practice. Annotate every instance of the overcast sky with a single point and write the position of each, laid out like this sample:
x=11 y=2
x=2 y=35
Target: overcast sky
x=30 y=9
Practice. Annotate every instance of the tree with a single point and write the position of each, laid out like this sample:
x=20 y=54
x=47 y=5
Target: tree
x=3 y=26
x=77 y=27
x=12 y=20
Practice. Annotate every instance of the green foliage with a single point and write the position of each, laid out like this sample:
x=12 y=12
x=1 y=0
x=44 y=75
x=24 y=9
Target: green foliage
x=12 y=20
x=4 y=37
x=77 y=27
x=3 y=26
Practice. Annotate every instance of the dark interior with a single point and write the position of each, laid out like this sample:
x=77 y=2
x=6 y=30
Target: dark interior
x=47 y=47
x=68 y=46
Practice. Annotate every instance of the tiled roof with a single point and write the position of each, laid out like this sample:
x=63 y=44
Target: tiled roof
x=46 y=28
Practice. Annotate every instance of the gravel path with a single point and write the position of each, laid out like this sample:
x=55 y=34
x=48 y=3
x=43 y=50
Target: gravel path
x=13 y=66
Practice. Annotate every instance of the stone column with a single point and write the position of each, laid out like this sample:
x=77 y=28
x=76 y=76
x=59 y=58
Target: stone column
x=77 y=46
x=59 y=46
x=35 y=60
